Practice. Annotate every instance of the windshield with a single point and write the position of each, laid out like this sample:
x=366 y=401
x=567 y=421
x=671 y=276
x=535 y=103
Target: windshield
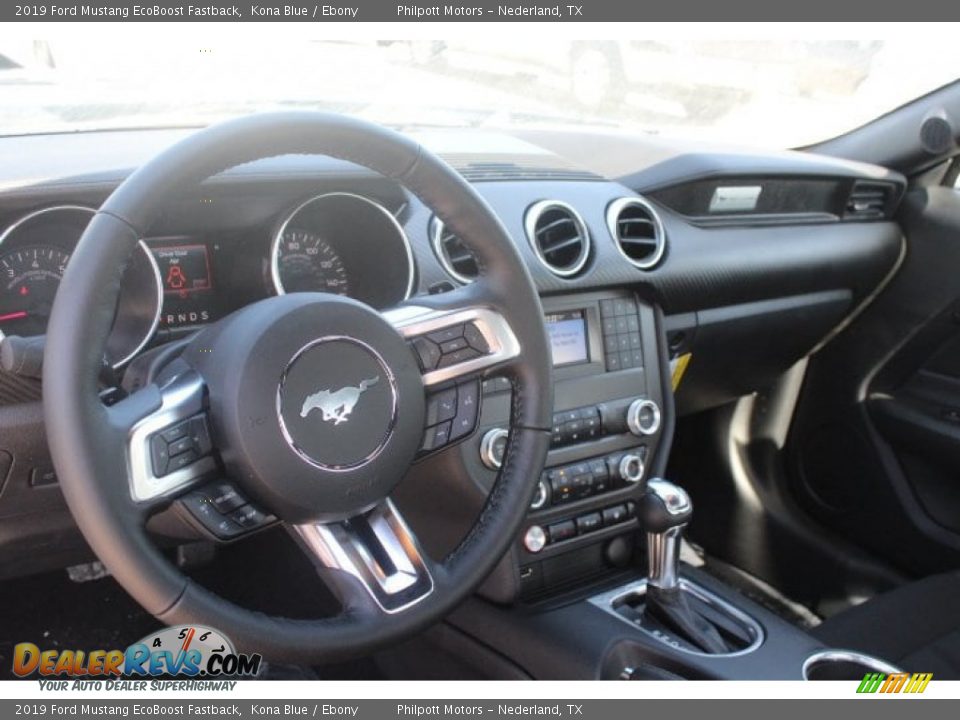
x=775 y=93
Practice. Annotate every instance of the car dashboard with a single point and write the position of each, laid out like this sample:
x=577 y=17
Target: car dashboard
x=651 y=259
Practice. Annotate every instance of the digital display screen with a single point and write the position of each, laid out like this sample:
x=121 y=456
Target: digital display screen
x=568 y=337
x=187 y=282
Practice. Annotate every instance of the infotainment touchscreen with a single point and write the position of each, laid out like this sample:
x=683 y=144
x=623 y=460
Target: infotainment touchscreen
x=568 y=337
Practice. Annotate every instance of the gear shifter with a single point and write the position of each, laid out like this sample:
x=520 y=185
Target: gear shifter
x=665 y=510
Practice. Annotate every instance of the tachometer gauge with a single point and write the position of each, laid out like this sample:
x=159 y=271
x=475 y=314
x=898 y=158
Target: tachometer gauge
x=30 y=277
x=305 y=262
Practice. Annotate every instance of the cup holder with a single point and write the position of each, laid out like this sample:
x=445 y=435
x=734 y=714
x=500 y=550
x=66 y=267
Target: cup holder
x=843 y=665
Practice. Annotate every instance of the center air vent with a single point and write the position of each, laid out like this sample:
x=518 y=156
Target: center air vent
x=558 y=236
x=453 y=254
x=637 y=231
x=868 y=201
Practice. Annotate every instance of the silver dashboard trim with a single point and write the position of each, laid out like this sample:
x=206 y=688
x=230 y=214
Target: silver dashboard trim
x=613 y=215
x=533 y=214
x=436 y=241
x=275 y=242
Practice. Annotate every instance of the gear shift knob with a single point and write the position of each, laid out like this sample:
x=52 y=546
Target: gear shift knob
x=664 y=510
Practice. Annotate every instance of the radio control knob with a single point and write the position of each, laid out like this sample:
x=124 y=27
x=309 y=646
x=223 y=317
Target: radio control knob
x=631 y=468
x=535 y=539
x=643 y=417
x=541 y=496
x=492 y=448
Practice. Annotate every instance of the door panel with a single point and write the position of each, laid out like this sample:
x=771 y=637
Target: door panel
x=874 y=450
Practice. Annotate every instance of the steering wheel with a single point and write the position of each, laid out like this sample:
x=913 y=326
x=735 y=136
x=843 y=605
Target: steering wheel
x=311 y=405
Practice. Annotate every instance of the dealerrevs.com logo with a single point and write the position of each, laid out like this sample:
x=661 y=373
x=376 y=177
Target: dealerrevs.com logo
x=192 y=651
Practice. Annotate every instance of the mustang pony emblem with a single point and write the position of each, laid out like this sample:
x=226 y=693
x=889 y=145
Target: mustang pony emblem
x=338 y=405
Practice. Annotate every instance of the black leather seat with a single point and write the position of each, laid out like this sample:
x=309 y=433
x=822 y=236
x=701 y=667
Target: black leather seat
x=916 y=627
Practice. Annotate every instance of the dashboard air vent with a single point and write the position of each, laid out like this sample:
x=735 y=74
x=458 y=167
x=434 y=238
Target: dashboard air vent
x=638 y=232
x=868 y=201
x=453 y=255
x=558 y=236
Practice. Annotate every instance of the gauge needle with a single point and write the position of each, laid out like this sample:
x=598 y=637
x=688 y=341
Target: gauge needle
x=13 y=316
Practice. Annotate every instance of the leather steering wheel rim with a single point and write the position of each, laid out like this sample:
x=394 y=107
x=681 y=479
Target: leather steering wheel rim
x=88 y=440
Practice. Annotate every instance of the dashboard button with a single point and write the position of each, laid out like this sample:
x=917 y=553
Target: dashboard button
x=589 y=522
x=562 y=531
x=40 y=476
x=615 y=514
x=181 y=446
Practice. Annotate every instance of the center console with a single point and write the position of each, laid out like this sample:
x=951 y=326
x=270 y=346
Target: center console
x=574 y=598
x=607 y=427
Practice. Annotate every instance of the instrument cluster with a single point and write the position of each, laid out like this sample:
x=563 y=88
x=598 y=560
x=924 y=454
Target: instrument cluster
x=338 y=243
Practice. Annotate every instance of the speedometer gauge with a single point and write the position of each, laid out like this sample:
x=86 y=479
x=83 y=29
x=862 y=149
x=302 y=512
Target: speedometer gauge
x=29 y=277
x=305 y=262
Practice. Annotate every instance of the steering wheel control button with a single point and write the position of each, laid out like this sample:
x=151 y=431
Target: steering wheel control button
x=223 y=512
x=468 y=410
x=493 y=446
x=436 y=437
x=535 y=539
x=337 y=403
x=428 y=353
x=441 y=406
x=225 y=497
x=475 y=338
x=643 y=417
x=179 y=446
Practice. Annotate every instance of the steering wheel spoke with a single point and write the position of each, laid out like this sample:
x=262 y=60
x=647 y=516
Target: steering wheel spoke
x=453 y=343
x=169 y=449
x=378 y=549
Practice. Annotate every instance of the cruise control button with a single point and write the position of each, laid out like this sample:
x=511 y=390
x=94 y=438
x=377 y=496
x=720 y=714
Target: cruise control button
x=458 y=356
x=475 y=338
x=451 y=333
x=249 y=517
x=201 y=435
x=442 y=406
x=159 y=455
x=224 y=497
x=468 y=401
x=175 y=432
x=181 y=446
x=453 y=345
x=428 y=352
x=202 y=509
x=182 y=460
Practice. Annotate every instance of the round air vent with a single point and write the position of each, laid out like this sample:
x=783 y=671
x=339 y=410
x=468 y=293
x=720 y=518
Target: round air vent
x=558 y=236
x=637 y=231
x=456 y=259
